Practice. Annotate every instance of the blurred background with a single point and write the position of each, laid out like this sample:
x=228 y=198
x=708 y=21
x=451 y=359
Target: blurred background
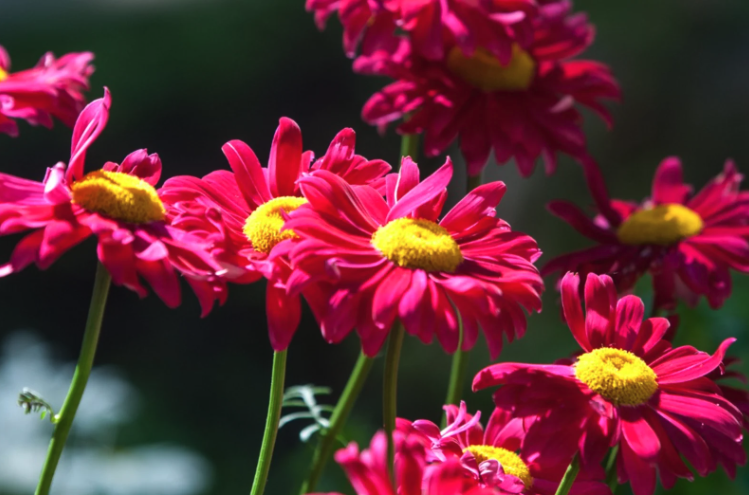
x=177 y=403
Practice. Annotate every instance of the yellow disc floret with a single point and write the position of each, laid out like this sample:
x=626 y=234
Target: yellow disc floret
x=416 y=243
x=511 y=463
x=617 y=375
x=3 y=74
x=484 y=71
x=662 y=225
x=119 y=196
x=263 y=226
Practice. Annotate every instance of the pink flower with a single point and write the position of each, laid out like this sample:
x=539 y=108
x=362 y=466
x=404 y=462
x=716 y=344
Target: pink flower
x=117 y=203
x=522 y=106
x=688 y=243
x=377 y=260
x=629 y=387
x=240 y=215
x=490 y=455
x=51 y=89
x=368 y=473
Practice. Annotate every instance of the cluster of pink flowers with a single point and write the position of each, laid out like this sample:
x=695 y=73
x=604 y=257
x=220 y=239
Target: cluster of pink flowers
x=373 y=249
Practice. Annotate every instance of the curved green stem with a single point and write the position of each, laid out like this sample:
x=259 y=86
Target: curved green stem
x=339 y=417
x=611 y=478
x=390 y=388
x=271 y=422
x=472 y=182
x=569 y=476
x=64 y=419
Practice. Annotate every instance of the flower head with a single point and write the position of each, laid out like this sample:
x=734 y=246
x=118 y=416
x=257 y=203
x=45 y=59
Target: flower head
x=117 y=203
x=518 y=98
x=240 y=214
x=629 y=387
x=369 y=475
x=688 y=243
x=378 y=260
x=51 y=89
x=497 y=455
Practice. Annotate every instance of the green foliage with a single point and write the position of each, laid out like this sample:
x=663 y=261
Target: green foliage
x=31 y=401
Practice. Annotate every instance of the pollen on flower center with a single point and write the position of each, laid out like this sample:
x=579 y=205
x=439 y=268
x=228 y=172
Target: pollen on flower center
x=3 y=74
x=263 y=226
x=416 y=243
x=511 y=463
x=662 y=225
x=617 y=375
x=119 y=196
x=485 y=72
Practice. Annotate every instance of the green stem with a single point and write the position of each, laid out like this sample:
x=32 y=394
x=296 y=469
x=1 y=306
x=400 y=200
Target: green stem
x=390 y=388
x=569 y=476
x=410 y=146
x=64 y=420
x=271 y=422
x=472 y=182
x=340 y=414
x=611 y=478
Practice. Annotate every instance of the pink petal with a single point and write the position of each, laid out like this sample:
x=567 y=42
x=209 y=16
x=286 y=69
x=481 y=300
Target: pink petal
x=285 y=161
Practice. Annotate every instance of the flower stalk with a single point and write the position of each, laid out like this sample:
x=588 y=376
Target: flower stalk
x=271 y=422
x=340 y=415
x=390 y=388
x=64 y=419
x=569 y=476
x=611 y=478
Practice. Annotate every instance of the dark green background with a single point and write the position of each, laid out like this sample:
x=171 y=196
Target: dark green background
x=188 y=76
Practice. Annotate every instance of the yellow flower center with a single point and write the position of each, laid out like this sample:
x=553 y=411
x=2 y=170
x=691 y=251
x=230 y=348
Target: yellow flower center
x=119 y=196
x=263 y=226
x=485 y=72
x=662 y=225
x=3 y=74
x=618 y=376
x=511 y=463
x=415 y=243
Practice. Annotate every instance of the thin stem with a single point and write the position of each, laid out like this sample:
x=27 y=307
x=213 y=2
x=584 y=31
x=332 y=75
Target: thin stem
x=611 y=478
x=410 y=146
x=569 y=476
x=271 y=422
x=472 y=182
x=339 y=417
x=390 y=388
x=64 y=419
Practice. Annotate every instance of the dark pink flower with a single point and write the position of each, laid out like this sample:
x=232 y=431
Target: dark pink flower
x=629 y=387
x=118 y=204
x=523 y=106
x=368 y=472
x=688 y=243
x=498 y=455
x=51 y=89
x=240 y=214
x=379 y=260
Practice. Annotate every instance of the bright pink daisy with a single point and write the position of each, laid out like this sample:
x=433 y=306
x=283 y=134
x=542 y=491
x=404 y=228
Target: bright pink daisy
x=118 y=204
x=240 y=214
x=491 y=454
x=492 y=24
x=628 y=387
x=51 y=89
x=368 y=473
x=522 y=108
x=688 y=243
x=382 y=260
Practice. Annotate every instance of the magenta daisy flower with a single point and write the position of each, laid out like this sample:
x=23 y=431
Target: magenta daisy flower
x=240 y=215
x=629 y=388
x=522 y=102
x=51 y=89
x=493 y=454
x=118 y=204
x=369 y=475
x=381 y=260
x=688 y=243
